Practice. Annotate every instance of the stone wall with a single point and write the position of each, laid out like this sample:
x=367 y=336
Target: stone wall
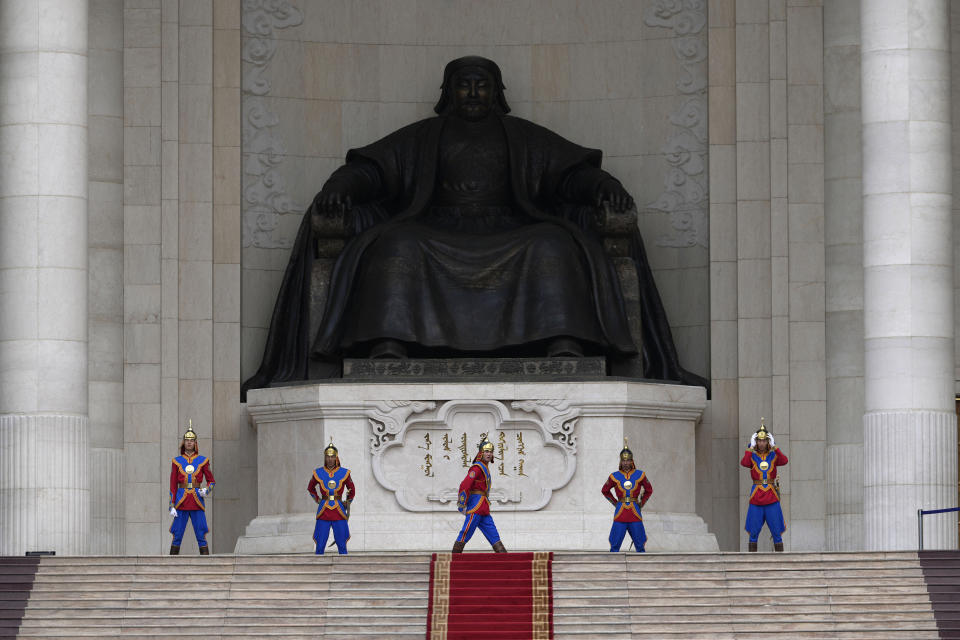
x=767 y=257
x=105 y=252
x=843 y=239
x=181 y=287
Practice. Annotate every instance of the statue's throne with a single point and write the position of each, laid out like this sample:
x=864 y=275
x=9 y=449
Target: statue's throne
x=614 y=229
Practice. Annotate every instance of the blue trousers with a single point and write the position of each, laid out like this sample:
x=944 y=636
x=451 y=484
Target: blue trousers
x=341 y=533
x=637 y=533
x=199 y=520
x=485 y=523
x=769 y=513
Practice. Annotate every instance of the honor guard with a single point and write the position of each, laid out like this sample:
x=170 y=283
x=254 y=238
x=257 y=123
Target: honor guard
x=473 y=501
x=188 y=471
x=631 y=490
x=763 y=457
x=332 y=510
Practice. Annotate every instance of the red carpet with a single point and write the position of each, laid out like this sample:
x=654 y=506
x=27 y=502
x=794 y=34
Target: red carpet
x=506 y=596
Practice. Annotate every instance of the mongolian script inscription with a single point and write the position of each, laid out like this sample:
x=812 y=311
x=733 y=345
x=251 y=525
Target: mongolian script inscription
x=423 y=456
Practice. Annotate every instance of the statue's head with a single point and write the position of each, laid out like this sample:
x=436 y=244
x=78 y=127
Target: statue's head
x=472 y=88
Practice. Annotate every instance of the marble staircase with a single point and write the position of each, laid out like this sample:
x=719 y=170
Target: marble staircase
x=867 y=596
x=357 y=596
x=384 y=595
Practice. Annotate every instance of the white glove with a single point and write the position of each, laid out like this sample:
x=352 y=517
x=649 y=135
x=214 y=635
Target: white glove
x=773 y=443
x=173 y=512
x=203 y=492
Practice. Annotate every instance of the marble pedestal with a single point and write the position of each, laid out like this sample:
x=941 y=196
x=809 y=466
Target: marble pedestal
x=408 y=446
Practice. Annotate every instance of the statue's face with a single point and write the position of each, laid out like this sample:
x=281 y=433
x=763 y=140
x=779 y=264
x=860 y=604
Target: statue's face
x=473 y=93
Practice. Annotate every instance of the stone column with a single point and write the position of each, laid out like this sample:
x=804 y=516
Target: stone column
x=909 y=423
x=44 y=495
x=105 y=257
x=843 y=235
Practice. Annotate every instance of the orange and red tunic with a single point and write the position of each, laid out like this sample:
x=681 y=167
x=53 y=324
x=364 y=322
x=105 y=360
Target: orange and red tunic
x=627 y=497
x=332 y=483
x=473 y=496
x=187 y=473
x=763 y=471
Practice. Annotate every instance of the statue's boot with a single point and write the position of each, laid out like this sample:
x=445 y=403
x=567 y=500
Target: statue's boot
x=388 y=349
x=778 y=547
x=498 y=547
x=564 y=348
x=205 y=551
x=458 y=547
x=752 y=547
x=174 y=549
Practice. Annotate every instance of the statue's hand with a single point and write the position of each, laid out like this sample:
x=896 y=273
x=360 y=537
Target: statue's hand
x=333 y=201
x=613 y=194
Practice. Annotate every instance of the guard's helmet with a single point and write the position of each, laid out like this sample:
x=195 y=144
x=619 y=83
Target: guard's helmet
x=189 y=434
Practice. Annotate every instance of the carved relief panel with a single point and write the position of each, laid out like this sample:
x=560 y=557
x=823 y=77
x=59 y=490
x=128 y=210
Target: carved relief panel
x=422 y=450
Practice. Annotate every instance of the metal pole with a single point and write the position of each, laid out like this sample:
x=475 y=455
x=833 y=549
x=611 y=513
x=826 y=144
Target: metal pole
x=920 y=529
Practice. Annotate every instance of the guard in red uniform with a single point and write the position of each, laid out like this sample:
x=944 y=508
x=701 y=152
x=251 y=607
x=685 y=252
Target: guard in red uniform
x=188 y=471
x=762 y=458
x=473 y=501
x=627 y=500
x=333 y=511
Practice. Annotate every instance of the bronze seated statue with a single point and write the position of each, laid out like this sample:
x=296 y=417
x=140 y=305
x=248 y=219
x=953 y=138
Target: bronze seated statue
x=472 y=233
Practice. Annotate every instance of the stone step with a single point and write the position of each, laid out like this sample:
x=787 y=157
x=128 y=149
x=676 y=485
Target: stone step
x=107 y=614
x=734 y=556
x=562 y=634
x=314 y=586
x=732 y=568
x=720 y=600
x=731 y=572
x=783 y=617
x=670 y=571
x=649 y=595
x=813 y=582
x=792 y=627
x=412 y=601
x=227 y=632
x=305 y=570
x=692 y=610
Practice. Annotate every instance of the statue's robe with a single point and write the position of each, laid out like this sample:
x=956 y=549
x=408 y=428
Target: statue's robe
x=540 y=165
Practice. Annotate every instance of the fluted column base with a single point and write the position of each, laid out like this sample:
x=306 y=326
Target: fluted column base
x=44 y=484
x=910 y=463
x=107 y=524
x=844 y=523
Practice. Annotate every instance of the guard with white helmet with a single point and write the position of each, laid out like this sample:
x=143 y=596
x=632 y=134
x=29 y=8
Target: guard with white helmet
x=763 y=457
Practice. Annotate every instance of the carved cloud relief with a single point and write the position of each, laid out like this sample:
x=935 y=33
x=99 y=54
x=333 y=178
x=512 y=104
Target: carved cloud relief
x=684 y=197
x=421 y=452
x=264 y=188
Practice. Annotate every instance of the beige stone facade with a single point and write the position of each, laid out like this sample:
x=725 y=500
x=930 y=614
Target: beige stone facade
x=750 y=132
